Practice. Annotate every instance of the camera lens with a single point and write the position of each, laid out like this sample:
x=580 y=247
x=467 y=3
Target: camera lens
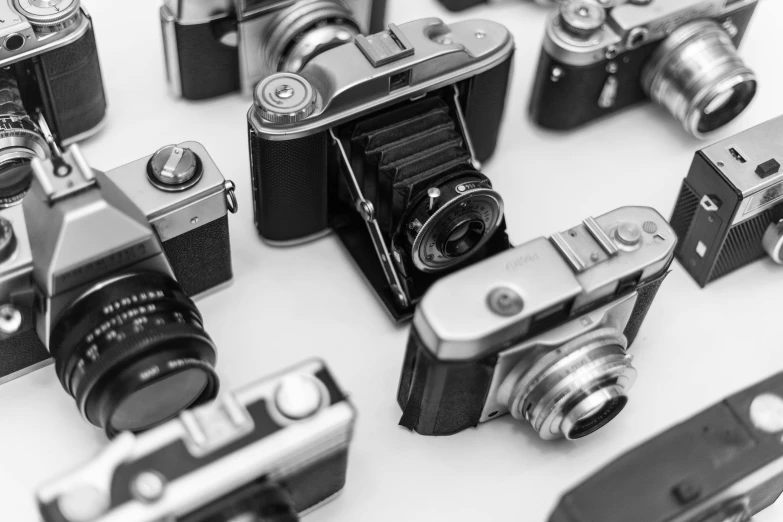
x=450 y=222
x=574 y=390
x=698 y=76
x=304 y=31
x=133 y=352
x=20 y=142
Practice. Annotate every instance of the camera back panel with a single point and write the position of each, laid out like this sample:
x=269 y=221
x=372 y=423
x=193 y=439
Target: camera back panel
x=727 y=202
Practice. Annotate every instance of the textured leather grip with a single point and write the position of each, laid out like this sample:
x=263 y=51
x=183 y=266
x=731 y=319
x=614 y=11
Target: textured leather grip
x=207 y=67
x=289 y=186
x=484 y=107
x=71 y=87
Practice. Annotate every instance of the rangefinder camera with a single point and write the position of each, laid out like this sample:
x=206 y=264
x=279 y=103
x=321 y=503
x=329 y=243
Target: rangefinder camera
x=682 y=54
x=724 y=464
x=97 y=271
x=215 y=47
x=50 y=82
x=380 y=140
x=541 y=331
x=271 y=451
x=461 y=5
x=729 y=212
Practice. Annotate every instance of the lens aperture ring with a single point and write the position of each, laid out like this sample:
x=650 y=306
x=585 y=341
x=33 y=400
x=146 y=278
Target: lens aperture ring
x=445 y=233
x=553 y=393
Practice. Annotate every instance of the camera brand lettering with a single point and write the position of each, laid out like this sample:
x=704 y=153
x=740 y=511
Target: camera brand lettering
x=102 y=266
x=521 y=262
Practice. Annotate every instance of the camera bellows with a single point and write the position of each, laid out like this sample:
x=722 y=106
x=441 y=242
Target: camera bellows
x=133 y=352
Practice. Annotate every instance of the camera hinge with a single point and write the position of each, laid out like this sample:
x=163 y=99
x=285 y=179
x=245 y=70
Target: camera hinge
x=367 y=211
x=463 y=125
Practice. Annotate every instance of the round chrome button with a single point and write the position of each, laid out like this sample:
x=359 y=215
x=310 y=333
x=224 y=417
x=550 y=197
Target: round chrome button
x=174 y=168
x=285 y=98
x=628 y=234
x=766 y=413
x=298 y=397
x=82 y=504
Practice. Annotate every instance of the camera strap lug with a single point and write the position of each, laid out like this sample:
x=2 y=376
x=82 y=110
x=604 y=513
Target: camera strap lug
x=367 y=211
x=464 y=128
x=231 y=197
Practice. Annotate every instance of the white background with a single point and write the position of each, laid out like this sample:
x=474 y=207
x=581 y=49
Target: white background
x=695 y=347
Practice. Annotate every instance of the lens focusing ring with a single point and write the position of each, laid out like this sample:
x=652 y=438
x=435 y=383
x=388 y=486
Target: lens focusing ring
x=124 y=335
x=292 y=25
x=694 y=68
x=576 y=389
x=464 y=199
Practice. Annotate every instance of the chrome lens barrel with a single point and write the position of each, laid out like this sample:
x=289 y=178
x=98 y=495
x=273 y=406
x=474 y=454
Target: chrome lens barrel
x=698 y=76
x=305 y=30
x=576 y=389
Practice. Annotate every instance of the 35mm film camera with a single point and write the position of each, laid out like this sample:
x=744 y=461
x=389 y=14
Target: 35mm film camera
x=272 y=451
x=598 y=59
x=97 y=271
x=724 y=464
x=214 y=47
x=540 y=331
x=385 y=150
x=51 y=89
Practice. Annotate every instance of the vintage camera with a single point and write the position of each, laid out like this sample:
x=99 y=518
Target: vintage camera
x=97 y=271
x=51 y=87
x=461 y=5
x=215 y=47
x=382 y=144
x=680 y=53
x=540 y=331
x=721 y=465
x=271 y=451
x=730 y=208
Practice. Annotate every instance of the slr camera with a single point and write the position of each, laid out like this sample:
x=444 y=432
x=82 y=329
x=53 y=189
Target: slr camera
x=97 y=271
x=461 y=5
x=215 y=47
x=380 y=140
x=682 y=54
x=721 y=465
x=541 y=331
x=271 y=451
x=730 y=208
x=51 y=89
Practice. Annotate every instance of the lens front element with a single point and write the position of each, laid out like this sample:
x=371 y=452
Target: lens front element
x=133 y=353
x=698 y=76
x=574 y=390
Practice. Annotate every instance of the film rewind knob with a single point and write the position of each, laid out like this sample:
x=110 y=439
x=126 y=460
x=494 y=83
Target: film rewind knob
x=285 y=98
x=582 y=18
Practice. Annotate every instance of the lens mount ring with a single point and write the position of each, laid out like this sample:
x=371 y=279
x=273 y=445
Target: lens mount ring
x=575 y=389
x=772 y=241
x=696 y=66
x=289 y=46
x=462 y=202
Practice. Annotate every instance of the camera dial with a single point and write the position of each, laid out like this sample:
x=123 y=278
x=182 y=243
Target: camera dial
x=285 y=98
x=48 y=16
x=697 y=74
x=174 y=169
x=573 y=390
x=581 y=17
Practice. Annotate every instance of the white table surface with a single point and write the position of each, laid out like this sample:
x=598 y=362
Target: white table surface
x=285 y=305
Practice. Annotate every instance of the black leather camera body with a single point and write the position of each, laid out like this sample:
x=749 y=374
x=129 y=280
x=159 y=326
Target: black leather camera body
x=540 y=331
x=52 y=52
x=730 y=206
x=215 y=47
x=596 y=62
x=385 y=152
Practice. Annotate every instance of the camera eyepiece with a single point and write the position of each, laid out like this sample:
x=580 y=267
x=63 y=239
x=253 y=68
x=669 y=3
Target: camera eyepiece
x=444 y=230
x=133 y=352
x=697 y=74
x=575 y=390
